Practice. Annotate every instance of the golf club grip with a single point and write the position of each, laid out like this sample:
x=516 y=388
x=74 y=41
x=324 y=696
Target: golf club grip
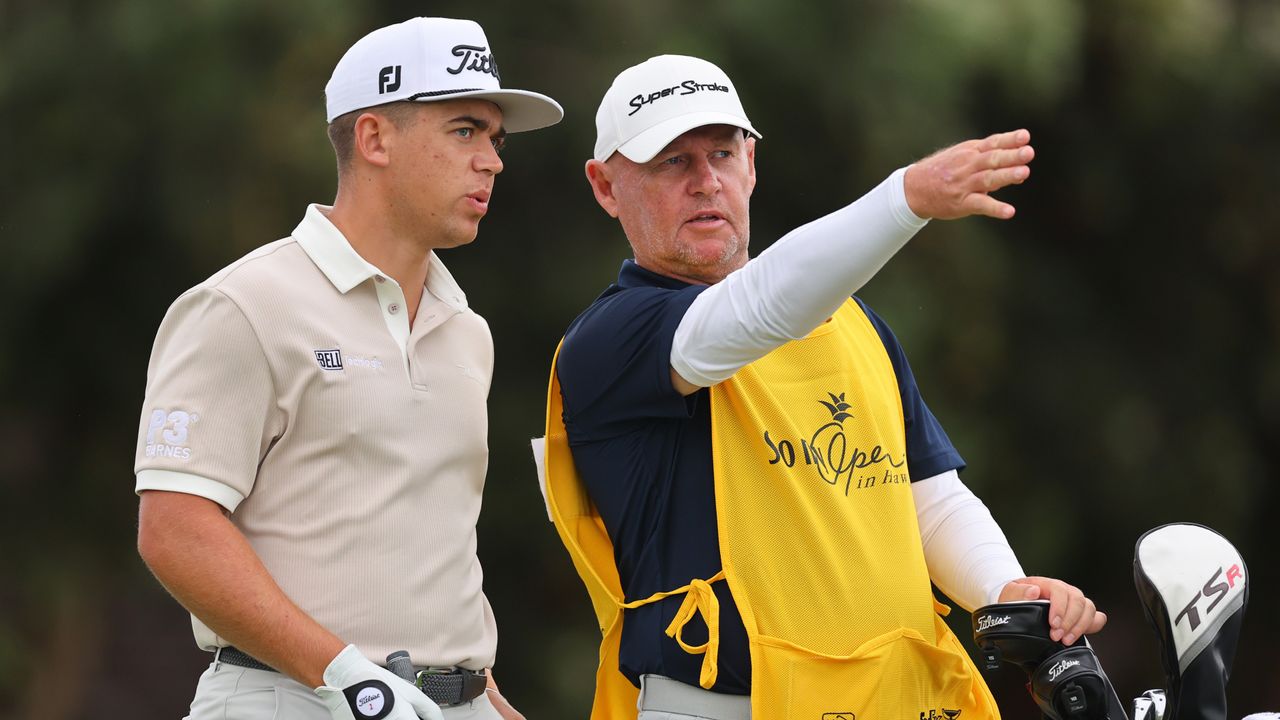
x=399 y=663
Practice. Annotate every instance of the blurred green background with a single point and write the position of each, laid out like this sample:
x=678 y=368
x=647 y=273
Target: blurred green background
x=1107 y=362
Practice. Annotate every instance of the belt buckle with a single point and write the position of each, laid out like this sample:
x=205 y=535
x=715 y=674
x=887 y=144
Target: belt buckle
x=425 y=673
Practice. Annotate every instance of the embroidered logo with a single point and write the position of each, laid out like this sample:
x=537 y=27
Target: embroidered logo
x=475 y=58
x=329 y=359
x=364 y=362
x=944 y=715
x=688 y=87
x=388 y=79
x=1060 y=667
x=986 y=622
x=838 y=716
x=167 y=434
x=829 y=453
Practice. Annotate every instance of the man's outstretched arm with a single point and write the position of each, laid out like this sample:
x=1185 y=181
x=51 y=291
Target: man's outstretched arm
x=800 y=280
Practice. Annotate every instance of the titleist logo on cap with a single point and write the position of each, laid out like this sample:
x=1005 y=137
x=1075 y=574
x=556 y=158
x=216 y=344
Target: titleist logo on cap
x=688 y=87
x=474 y=58
x=430 y=59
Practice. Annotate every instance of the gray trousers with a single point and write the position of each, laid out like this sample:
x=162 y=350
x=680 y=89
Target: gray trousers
x=229 y=692
x=662 y=698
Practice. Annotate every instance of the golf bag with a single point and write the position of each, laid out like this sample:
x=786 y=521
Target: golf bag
x=1068 y=683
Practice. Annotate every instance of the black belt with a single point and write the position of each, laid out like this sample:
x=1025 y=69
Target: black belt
x=445 y=686
x=232 y=656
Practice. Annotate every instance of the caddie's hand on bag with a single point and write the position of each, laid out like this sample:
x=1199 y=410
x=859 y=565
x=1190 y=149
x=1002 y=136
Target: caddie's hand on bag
x=356 y=689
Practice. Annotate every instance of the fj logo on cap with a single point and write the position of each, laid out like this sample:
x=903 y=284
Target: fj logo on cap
x=329 y=359
x=388 y=79
x=474 y=58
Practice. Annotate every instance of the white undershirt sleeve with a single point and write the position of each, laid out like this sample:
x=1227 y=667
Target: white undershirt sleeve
x=791 y=287
x=968 y=556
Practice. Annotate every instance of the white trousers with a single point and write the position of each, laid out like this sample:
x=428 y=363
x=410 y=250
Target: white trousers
x=230 y=692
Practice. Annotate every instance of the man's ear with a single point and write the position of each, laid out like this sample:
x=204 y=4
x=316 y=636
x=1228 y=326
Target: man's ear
x=601 y=179
x=751 y=161
x=373 y=137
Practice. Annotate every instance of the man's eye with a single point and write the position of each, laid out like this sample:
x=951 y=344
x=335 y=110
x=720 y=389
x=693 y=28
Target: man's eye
x=499 y=143
x=465 y=132
x=722 y=154
x=673 y=160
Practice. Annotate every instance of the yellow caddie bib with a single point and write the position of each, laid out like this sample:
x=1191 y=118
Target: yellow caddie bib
x=818 y=540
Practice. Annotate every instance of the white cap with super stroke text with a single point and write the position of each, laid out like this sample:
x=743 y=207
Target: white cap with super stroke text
x=431 y=59
x=653 y=103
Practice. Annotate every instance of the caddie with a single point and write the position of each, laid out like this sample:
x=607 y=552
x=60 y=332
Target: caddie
x=738 y=457
x=314 y=436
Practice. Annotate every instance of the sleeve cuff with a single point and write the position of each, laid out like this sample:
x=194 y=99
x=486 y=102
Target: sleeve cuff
x=171 y=481
x=898 y=202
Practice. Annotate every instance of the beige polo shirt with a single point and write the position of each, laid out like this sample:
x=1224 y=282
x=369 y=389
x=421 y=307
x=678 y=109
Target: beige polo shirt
x=350 y=449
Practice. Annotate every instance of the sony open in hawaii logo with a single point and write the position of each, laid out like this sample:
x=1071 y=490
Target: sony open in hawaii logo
x=830 y=454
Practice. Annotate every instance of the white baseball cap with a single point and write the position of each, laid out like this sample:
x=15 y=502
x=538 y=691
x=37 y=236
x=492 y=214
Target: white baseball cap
x=653 y=103
x=426 y=59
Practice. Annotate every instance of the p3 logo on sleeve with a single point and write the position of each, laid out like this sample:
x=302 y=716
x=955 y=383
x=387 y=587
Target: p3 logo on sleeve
x=167 y=433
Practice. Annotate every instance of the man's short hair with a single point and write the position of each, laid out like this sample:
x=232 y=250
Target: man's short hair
x=342 y=131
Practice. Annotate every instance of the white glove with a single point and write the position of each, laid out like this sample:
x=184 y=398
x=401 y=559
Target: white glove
x=356 y=689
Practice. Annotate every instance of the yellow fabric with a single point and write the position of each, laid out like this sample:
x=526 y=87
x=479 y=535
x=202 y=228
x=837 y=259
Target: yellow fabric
x=699 y=598
x=584 y=536
x=583 y=533
x=818 y=539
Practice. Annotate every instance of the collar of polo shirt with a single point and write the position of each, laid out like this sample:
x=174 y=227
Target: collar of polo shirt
x=329 y=249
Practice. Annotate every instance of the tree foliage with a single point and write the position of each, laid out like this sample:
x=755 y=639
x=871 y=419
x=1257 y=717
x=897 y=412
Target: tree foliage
x=1107 y=361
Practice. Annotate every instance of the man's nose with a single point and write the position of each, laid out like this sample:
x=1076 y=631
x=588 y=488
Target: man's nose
x=705 y=180
x=488 y=160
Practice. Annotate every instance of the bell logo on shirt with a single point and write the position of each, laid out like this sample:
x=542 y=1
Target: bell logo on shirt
x=329 y=359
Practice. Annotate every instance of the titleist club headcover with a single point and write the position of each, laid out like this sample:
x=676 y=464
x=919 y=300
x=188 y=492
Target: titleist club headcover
x=1194 y=588
x=1066 y=682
